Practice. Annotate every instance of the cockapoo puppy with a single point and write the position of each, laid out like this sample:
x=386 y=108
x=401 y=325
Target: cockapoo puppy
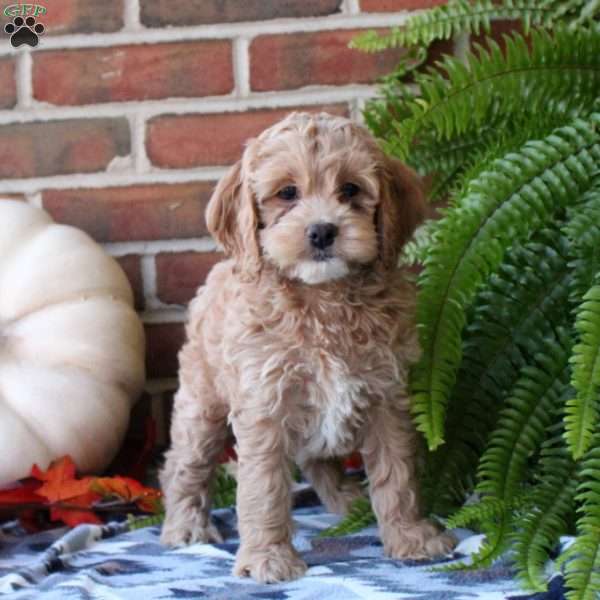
x=301 y=341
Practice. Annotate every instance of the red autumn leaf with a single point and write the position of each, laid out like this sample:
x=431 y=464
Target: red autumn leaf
x=354 y=461
x=65 y=490
x=24 y=493
x=73 y=517
x=122 y=487
x=62 y=468
x=70 y=499
x=60 y=483
x=73 y=500
x=228 y=454
x=76 y=510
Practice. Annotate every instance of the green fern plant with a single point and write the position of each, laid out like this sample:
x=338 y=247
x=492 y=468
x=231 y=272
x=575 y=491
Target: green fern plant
x=507 y=392
x=359 y=516
x=462 y=16
x=224 y=491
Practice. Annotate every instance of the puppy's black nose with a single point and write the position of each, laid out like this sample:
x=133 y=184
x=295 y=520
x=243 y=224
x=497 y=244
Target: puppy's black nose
x=322 y=235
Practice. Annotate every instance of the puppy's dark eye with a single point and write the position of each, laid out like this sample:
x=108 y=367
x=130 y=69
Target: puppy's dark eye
x=289 y=192
x=349 y=190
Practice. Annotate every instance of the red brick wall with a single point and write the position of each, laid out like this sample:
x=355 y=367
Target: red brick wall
x=128 y=111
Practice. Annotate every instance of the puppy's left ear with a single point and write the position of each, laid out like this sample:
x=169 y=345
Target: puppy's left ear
x=401 y=210
x=232 y=220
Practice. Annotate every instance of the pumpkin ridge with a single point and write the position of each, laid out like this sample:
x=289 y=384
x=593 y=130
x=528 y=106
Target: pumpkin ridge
x=129 y=345
x=71 y=345
x=71 y=431
x=91 y=294
x=26 y=424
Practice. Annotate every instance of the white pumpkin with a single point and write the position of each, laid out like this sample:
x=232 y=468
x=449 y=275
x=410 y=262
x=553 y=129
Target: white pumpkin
x=71 y=345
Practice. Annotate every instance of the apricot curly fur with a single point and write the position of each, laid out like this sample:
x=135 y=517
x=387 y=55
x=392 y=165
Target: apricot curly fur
x=305 y=357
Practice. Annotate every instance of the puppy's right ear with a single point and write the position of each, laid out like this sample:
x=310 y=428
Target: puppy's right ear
x=231 y=219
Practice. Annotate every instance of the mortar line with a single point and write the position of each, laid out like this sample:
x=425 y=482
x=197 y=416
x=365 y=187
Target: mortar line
x=148 y=109
x=352 y=7
x=218 y=31
x=159 y=317
x=131 y=15
x=141 y=162
x=149 y=281
x=241 y=66
x=153 y=247
x=107 y=179
x=23 y=80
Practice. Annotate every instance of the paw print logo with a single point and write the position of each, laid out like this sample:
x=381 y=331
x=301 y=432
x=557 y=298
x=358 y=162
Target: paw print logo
x=24 y=31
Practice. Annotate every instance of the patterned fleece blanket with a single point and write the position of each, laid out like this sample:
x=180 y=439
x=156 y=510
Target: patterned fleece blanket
x=111 y=562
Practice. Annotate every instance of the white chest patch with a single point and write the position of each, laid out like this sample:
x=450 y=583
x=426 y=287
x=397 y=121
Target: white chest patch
x=338 y=410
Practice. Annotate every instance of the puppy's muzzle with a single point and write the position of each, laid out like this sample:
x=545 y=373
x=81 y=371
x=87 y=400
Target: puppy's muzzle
x=322 y=235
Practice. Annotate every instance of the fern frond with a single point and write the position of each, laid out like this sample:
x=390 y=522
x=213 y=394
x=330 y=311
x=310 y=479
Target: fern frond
x=359 y=516
x=583 y=229
x=583 y=410
x=225 y=487
x=582 y=414
x=583 y=226
x=522 y=425
x=582 y=569
x=487 y=510
x=517 y=194
x=588 y=12
x=146 y=521
x=392 y=104
x=415 y=250
x=445 y=161
x=494 y=545
x=560 y=73
x=551 y=502
x=463 y=157
x=457 y=16
x=520 y=306
x=521 y=428
x=575 y=12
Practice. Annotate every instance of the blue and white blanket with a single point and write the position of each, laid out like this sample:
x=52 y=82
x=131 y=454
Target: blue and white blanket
x=111 y=562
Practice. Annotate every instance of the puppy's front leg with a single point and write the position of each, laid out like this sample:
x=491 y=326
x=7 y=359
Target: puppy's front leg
x=198 y=434
x=389 y=454
x=264 y=502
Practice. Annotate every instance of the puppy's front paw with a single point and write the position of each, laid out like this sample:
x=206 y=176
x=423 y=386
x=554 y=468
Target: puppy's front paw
x=278 y=562
x=421 y=541
x=190 y=528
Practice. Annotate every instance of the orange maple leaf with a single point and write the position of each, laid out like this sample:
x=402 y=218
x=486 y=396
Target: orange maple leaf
x=77 y=511
x=24 y=493
x=60 y=482
x=130 y=490
x=71 y=499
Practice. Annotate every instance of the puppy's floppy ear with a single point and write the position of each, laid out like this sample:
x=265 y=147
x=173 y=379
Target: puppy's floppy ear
x=232 y=220
x=401 y=209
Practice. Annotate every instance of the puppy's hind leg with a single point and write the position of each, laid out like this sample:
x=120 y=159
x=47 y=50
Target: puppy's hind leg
x=198 y=435
x=335 y=490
